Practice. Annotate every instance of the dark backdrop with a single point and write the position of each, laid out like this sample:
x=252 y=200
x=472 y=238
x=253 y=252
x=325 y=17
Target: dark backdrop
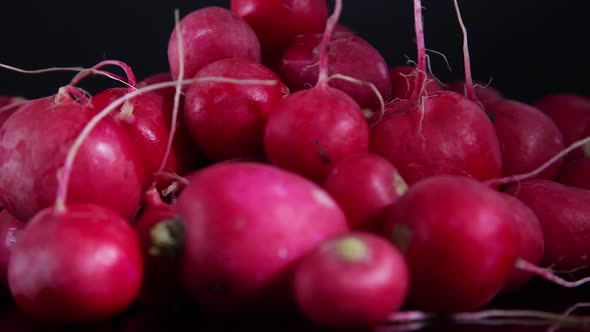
x=529 y=48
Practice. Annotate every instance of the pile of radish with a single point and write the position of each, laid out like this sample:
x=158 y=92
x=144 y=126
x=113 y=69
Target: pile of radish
x=281 y=168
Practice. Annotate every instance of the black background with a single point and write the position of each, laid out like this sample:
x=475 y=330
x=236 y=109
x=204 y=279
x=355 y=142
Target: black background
x=528 y=48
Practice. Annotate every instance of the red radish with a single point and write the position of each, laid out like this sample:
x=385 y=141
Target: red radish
x=247 y=225
x=210 y=34
x=161 y=237
x=459 y=239
x=75 y=265
x=312 y=130
x=33 y=145
x=576 y=173
x=147 y=119
x=527 y=137
x=227 y=120
x=530 y=239
x=365 y=186
x=10 y=227
x=440 y=133
x=571 y=113
x=564 y=214
x=348 y=54
x=484 y=94
x=277 y=23
x=351 y=281
x=403 y=82
x=6 y=109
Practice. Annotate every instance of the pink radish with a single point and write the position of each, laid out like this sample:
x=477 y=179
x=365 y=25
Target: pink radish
x=277 y=23
x=351 y=281
x=161 y=238
x=34 y=143
x=365 y=186
x=75 y=265
x=527 y=137
x=403 y=82
x=247 y=225
x=564 y=215
x=571 y=113
x=10 y=227
x=530 y=239
x=312 y=130
x=210 y=34
x=576 y=173
x=348 y=54
x=227 y=120
x=433 y=134
x=459 y=239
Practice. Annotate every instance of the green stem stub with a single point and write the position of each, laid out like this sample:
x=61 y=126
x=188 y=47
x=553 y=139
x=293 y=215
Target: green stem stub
x=167 y=238
x=352 y=249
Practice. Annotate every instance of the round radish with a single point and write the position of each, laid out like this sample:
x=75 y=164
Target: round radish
x=403 y=82
x=78 y=265
x=365 y=186
x=564 y=214
x=530 y=239
x=527 y=137
x=227 y=120
x=312 y=130
x=349 y=55
x=459 y=239
x=210 y=34
x=576 y=173
x=277 y=23
x=10 y=227
x=247 y=224
x=351 y=281
x=33 y=146
x=146 y=119
x=484 y=94
x=161 y=237
x=571 y=113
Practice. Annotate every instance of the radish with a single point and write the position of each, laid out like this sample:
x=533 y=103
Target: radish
x=365 y=186
x=210 y=34
x=434 y=134
x=312 y=130
x=403 y=80
x=459 y=240
x=33 y=145
x=227 y=120
x=571 y=113
x=576 y=173
x=530 y=239
x=161 y=237
x=484 y=94
x=10 y=227
x=247 y=225
x=348 y=54
x=564 y=215
x=8 y=105
x=277 y=23
x=351 y=281
x=77 y=264
x=527 y=137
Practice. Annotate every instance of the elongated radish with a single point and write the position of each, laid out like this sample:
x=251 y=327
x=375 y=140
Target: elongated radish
x=247 y=225
x=226 y=120
x=351 y=281
x=311 y=130
x=365 y=186
x=348 y=54
x=277 y=23
x=81 y=264
x=439 y=133
x=210 y=34
x=527 y=137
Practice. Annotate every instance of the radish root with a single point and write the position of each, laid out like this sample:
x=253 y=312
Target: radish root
x=469 y=89
x=548 y=274
x=324 y=54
